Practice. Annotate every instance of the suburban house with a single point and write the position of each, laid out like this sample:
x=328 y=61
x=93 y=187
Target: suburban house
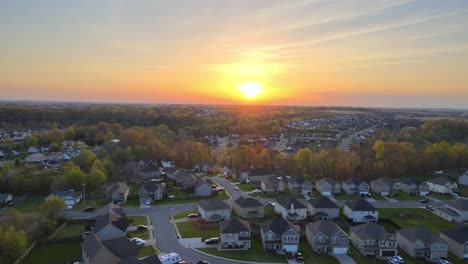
x=457 y=240
x=235 y=233
x=414 y=186
x=35 y=158
x=249 y=208
x=70 y=197
x=117 y=193
x=192 y=183
x=328 y=186
x=323 y=208
x=373 y=240
x=361 y=211
x=355 y=186
x=255 y=174
x=96 y=250
x=442 y=185
x=151 y=191
x=205 y=166
x=420 y=242
x=214 y=210
x=385 y=186
x=272 y=184
x=109 y=226
x=280 y=235
x=168 y=163
x=6 y=198
x=290 y=208
x=327 y=237
x=454 y=211
x=299 y=184
x=463 y=179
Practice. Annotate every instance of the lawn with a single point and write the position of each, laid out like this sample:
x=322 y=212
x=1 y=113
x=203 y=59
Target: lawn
x=441 y=197
x=54 y=253
x=146 y=251
x=71 y=230
x=96 y=203
x=402 y=196
x=245 y=187
x=222 y=196
x=254 y=253
x=29 y=205
x=138 y=220
x=184 y=214
x=143 y=234
x=364 y=260
x=190 y=229
x=463 y=190
x=415 y=217
x=132 y=203
x=345 y=196
x=377 y=197
x=311 y=257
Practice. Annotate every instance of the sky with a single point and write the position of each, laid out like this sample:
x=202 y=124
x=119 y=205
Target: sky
x=396 y=53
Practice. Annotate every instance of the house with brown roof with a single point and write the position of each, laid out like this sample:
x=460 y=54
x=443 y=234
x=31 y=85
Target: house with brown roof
x=457 y=240
x=235 y=233
x=248 y=208
x=373 y=240
x=117 y=193
x=323 y=208
x=420 y=242
x=327 y=237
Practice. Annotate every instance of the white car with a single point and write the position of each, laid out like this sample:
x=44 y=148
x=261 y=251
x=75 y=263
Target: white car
x=257 y=191
x=392 y=260
x=443 y=261
x=271 y=203
x=139 y=242
x=236 y=188
x=400 y=259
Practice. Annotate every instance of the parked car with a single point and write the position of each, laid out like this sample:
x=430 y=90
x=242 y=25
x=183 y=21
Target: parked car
x=139 y=242
x=88 y=209
x=256 y=191
x=147 y=202
x=400 y=259
x=203 y=262
x=213 y=240
x=391 y=260
x=444 y=261
x=424 y=201
x=289 y=255
x=430 y=208
x=272 y=204
x=182 y=262
x=299 y=257
x=236 y=188
x=193 y=215
x=142 y=227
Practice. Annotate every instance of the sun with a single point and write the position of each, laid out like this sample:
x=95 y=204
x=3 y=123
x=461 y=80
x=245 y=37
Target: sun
x=251 y=89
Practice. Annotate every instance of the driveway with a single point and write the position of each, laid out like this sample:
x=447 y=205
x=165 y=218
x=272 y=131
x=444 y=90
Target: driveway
x=344 y=259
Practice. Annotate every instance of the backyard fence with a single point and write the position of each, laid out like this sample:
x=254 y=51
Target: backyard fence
x=26 y=253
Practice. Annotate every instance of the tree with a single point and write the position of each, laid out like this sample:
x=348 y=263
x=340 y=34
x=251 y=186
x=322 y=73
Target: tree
x=95 y=179
x=75 y=178
x=53 y=209
x=12 y=243
x=85 y=160
x=303 y=160
x=30 y=141
x=8 y=144
x=57 y=136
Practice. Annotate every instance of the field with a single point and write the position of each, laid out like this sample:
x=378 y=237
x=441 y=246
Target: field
x=29 y=205
x=70 y=231
x=138 y=220
x=54 y=253
x=408 y=217
x=143 y=234
x=190 y=229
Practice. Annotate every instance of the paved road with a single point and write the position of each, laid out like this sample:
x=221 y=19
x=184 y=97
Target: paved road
x=345 y=142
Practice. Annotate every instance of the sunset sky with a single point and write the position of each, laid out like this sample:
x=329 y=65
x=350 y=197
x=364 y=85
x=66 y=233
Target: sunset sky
x=306 y=52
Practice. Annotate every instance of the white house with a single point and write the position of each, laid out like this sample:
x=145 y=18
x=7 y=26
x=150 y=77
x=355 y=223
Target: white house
x=361 y=211
x=290 y=208
x=463 y=180
x=442 y=185
x=454 y=211
x=214 y=210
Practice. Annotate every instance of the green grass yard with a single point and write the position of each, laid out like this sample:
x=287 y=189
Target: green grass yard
x=70 y=231
x=143 y=234
x=132 y=203
x=29 y=205
x=146 y=251
x=402 y=196
x=377 y=197
x=311 y=257
x=138 y=219
x=190 y=229
x=245 y=187
x=54 y=253
x=345 y=196
x=408 y=217
x=96 y=203
x=184 y=214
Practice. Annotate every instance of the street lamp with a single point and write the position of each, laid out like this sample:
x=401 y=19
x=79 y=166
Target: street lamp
x=84 y=193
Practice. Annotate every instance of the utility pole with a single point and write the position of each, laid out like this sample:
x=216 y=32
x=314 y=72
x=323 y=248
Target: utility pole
x=84 y=193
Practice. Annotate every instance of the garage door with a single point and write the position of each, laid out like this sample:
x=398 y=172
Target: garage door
x=340 y=250
x=290 y=248
x=326 y=193
x=388 y=253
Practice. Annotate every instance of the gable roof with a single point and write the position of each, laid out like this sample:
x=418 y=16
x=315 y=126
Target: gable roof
x=328 y=228
x=112 y=209
x=360 y=205
x=66 y=193
x=372 y=230
x=298 y=180
x=120 y=246
x=410 y=181
x=459 y=204
x=354 y=181
x=323 y=202
x=110 y=219
x=247 y=202
x=117 y=186
x=440 y=181
x=213 y=204
x=279 y=226
x=459 y=234
x=271 y=181
x=383 y=180
x=234 y=225
x=287 y=201
x=327 y=180
x=419 y=232
x=150 y=187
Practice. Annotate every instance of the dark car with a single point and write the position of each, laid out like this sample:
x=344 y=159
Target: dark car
x=193 y=215
x=211 y=241
x=203 y=262
x=430 y=208
x=10 y=203
x=424 y=201
x=289 y=255
x=142 y=227
x=299 y=257
x=88 y=209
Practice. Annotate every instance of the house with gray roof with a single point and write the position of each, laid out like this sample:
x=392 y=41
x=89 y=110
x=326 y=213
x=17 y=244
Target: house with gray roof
x=117 y=193
x=290 y=208
x=109 y=226
x=327 y=237
x=328 y=186
x=361 y=211
x=323 y=208
x=454 y=210
x=272 y=184
x=373 y=240
x=280 y=235
x=193 y=183
x=205 y=166
x=355 y=186
x=442 y=185
x=385 y=186
x=414 y=186
x=214 y=210
x=151 y=191
x=420 y=242
x=235 y=234
x=457 y=240
x=70 y=197
x=96 y=250
x=6 y=198
x=299 y=184
x=249 y=208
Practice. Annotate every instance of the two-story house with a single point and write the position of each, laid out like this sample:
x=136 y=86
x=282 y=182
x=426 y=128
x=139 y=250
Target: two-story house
x=290 y=208
x=414 y=186
x=355 y=186
x=151 y=191
x=454 y=211
x=361 y=211
x=272 y=184
x=96 y=250
x=299 y=184
x=373 y=240
x=214 y=210
x=328 y=186
x=420 y=242
x=235 y=233
x=323 y=208
x=249 y=208
x=385 y=186
x=70 y=197
x=205 y=166
x=117 y=193
x=280 y=236
x=442 y=185
x=457 y=240
x=327 y=237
